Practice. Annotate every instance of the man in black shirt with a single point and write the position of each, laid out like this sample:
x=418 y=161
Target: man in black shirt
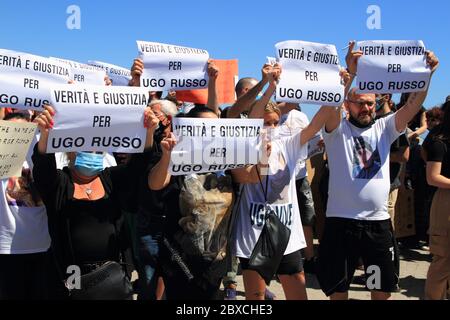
x=399 y=152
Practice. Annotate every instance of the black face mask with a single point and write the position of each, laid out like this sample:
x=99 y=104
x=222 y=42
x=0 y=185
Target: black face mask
x=354 y=122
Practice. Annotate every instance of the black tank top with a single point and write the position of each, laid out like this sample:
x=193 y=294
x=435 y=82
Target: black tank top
x=92 y=230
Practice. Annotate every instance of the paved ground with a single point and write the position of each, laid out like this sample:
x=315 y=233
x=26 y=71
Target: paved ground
x=413 y=270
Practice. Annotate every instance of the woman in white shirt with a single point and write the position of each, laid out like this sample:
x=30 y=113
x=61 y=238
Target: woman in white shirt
x=273 y=187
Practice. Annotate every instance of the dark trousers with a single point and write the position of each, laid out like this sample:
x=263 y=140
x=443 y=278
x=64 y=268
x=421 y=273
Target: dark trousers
x=23 y=276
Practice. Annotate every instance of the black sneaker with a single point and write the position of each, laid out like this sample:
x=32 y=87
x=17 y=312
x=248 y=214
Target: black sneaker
x=309 y=266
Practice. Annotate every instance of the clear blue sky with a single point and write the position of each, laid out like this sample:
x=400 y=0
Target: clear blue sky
x=246 y=30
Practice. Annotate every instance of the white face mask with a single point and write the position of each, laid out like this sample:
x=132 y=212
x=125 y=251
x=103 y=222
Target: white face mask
x=272 y=133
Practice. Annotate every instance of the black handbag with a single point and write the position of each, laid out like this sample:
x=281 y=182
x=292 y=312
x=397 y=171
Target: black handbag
x=108 y=281
x=271 y=245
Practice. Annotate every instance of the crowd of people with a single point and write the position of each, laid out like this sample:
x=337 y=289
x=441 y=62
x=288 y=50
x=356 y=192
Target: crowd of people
x=186 y=236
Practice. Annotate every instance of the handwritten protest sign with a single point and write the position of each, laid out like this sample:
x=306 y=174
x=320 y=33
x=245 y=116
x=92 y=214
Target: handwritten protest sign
x=310 y=73
x=83 y=73
x=392 y=67
x=15 y=140
x=119 y=76
x=25 y=79
x=98 y=119
x=225 y=83
x=208 y=145
x=169 y=66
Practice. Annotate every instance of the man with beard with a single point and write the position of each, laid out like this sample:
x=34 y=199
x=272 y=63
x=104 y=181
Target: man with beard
x=358 y=223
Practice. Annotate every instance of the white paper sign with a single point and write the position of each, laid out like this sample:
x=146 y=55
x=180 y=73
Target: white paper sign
x=98 y=119
x=15 y=141
x=168 y=66
x=209 y=145
x=271 y=60
x=118 y=75
x=25 y=79
x=84 y=73
x=310 y=73
x=392 y=67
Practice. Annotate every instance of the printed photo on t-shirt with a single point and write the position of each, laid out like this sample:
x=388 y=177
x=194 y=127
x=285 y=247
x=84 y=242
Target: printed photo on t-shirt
x=366 y=160
x=279 y=178
x=21 y=192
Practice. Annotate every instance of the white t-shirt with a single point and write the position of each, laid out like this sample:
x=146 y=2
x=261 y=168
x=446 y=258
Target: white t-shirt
x=291 y=123
x=281 y=196
x=358 y=159
x=23 y=218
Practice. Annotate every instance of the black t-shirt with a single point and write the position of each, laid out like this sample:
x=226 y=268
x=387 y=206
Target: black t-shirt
x=395 y=167
x=158 y=209
x=439 y=151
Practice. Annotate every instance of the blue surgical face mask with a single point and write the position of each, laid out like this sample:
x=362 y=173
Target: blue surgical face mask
x=89 y=164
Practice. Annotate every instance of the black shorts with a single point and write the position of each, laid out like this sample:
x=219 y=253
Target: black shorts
x=344 y=241
x=305 y=202
x=290 y=264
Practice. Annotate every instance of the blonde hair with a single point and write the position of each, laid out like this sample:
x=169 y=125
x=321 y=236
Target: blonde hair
x=272 y=107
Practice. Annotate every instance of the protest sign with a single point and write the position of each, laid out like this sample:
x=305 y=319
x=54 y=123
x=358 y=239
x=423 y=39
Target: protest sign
x=310 y=73
x=83 y=73
x=15 y=140
x=271 y=60
x=98 y=119
x=392 y=67
x=225 y=83
x=119 y=76
x=169 y=66
x=25 y=79
x=209 y=145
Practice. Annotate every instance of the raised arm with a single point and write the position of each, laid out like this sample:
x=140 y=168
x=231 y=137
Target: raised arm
x=257 y=108
x=415 y=99
x=44 y=165
x=150 y=123
x=335 y=116
x=136 y=71
x=244 y=102
x=45 y=123
x=213 y=95
x=159 y=176
x=324 y=114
